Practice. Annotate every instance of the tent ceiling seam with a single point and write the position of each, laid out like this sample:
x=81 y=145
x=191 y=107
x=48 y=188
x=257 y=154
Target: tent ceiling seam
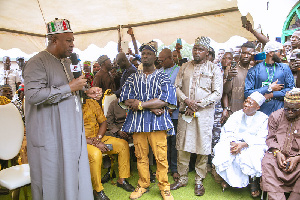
x=214 y=12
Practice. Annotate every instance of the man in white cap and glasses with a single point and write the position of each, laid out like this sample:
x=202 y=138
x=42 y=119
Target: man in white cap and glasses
x=242 y=145
x=271 y=78
x=57 y=150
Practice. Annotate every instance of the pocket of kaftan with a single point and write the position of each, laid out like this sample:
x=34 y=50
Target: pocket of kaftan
x=205 y=81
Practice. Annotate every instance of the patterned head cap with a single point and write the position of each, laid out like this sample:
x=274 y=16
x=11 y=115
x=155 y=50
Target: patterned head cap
x=59 y=26
x=102 y=59
x=203 y=41
x=292 y=96
x=152 y=46
x=87 y=63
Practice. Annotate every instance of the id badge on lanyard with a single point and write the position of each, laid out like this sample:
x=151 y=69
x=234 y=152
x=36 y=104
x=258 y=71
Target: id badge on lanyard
x=265 y=83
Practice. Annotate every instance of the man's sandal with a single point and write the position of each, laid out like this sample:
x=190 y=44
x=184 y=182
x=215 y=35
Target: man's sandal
x=254 y=187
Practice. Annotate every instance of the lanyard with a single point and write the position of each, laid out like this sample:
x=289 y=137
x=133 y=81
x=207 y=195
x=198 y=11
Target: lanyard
x=270 y=79
x=172 y=70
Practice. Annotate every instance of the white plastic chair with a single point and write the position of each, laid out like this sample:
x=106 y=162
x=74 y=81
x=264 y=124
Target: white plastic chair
x=11 y=137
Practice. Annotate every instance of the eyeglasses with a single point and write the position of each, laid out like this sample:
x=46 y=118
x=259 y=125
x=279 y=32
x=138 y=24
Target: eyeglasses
x=291 y=109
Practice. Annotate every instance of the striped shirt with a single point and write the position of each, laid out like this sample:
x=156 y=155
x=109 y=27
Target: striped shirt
x=144 y=88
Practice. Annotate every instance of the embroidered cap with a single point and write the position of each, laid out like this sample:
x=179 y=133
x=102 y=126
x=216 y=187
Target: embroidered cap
x=258 y=97
x=152 y=46
x=102 y=59
x=203 y=41
x=292 y=96
x=58 y=26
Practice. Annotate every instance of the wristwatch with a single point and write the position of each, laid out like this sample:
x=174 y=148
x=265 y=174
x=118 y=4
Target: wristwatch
x=227 y=108
x=270 y=88
x=140 y=107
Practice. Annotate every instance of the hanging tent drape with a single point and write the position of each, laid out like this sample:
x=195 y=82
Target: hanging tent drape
x=22 y=23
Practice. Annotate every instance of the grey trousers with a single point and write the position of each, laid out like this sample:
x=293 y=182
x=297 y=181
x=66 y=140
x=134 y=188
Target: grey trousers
x=183 y=159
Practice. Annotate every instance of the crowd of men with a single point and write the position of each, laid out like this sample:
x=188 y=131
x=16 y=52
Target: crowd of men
x=236 y=112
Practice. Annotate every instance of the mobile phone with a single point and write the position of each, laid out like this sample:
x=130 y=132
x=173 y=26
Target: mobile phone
x=233 y=64
x=109 y=146
x=244 y=20
x=179 y=41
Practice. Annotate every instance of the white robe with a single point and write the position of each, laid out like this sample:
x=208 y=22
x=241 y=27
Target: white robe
x=236 y=169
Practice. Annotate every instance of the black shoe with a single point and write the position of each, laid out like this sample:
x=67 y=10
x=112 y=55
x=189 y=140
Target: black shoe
x=107 y=177
x=100 y=195
x=126 y=186
x=152 y=177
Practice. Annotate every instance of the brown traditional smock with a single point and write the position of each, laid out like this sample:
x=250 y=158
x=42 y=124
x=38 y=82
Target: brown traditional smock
x=285 y=136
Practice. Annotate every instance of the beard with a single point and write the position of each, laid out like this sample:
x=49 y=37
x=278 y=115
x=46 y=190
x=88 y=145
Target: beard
x=275 y=58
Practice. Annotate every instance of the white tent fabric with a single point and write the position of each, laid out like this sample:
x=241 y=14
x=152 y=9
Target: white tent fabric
x=22 y=22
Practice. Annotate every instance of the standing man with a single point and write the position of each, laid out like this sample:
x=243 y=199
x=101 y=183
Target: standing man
x=21 y=64
x=96 y=68
x=233 y=94
x=148 y=94
x=104 y=79
x=280 y=165
x=128 y=69
x=57 y=150
x=9 y=76
x=199 y=85
x=295 y=40
x=271 y=78
x=166 y=60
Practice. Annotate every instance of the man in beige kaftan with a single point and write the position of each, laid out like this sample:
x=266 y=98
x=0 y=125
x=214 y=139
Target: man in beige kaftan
x=199 y=85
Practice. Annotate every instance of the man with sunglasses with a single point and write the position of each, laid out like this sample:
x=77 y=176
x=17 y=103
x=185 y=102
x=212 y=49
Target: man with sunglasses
x=280 y=166
x=271 y=78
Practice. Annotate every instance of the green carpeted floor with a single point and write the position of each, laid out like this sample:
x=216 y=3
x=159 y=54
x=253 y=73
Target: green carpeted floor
x=213 y=190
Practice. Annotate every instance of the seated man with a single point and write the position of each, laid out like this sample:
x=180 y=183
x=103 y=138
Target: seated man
x=5 y=94
x=95 y=127
x=280 y=167
x=242 y=146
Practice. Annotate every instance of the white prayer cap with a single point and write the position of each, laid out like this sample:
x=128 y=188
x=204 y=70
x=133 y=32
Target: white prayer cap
x=272 y=46
x=258 y=97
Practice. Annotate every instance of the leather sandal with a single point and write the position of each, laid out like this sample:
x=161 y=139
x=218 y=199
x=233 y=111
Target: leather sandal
x=254 y=187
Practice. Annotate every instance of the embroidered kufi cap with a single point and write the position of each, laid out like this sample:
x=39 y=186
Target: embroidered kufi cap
x=272 y=46
x=258 y=97
x=292 y=96
x=58 y=26
x=203 y=41
x=152 y=46
x=102 y=59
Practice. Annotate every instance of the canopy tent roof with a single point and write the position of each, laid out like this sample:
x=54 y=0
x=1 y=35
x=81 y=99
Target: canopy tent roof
x=22 y=23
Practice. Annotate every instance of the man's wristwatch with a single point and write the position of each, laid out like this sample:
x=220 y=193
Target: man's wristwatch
x=270 y=88
x=227 y=108
x=140 y=107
